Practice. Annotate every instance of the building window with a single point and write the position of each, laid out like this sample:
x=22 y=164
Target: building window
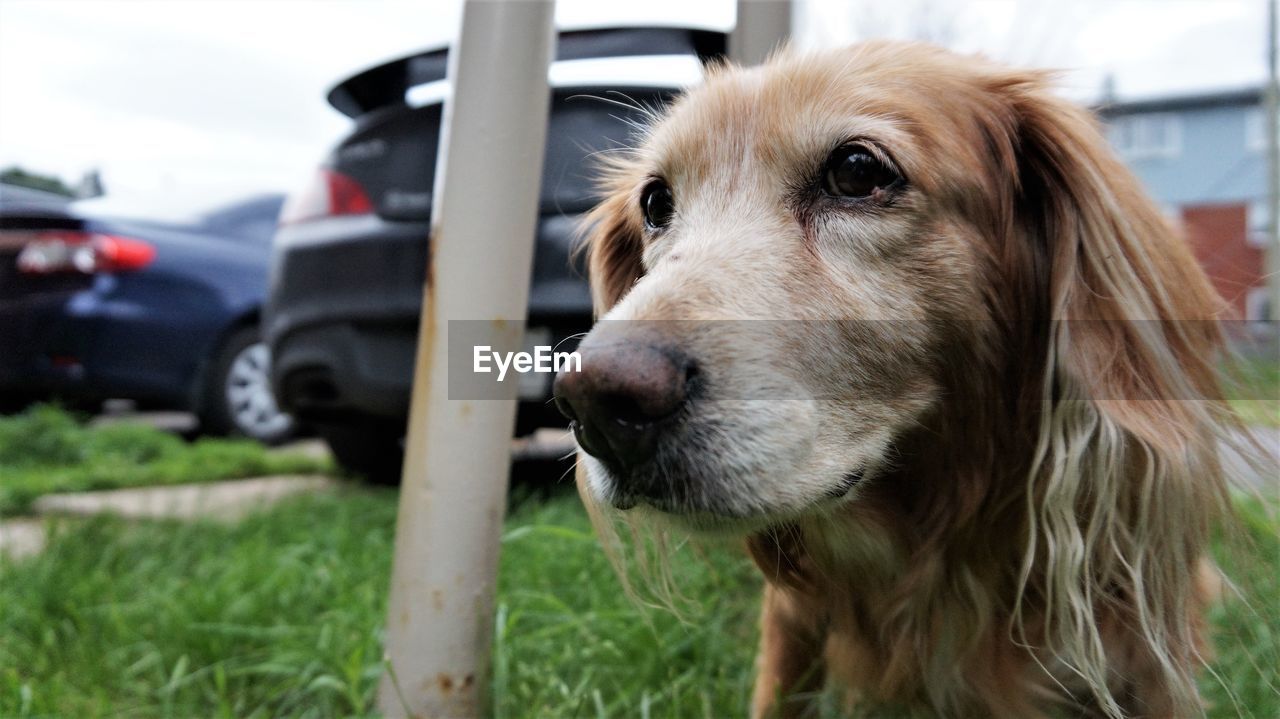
x=1255 y=125
x=1257 y=305
x=1259 y=221
x=1144 y=136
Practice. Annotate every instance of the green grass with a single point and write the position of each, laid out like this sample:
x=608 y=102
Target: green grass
x=1247 y=627
x=47 y=450
x=280 y=616
x=275 y=616
x=1255 y=390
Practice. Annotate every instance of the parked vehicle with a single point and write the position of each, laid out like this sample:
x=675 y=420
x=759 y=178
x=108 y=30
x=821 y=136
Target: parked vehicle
x=97 y=305
x=352 y=249
x=16 y=195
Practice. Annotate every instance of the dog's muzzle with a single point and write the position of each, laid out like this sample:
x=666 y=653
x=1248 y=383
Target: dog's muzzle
x=627 y=395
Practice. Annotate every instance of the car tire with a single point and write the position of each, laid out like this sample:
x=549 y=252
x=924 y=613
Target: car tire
x=373 y=451
x=237 y=394
x=14 y=405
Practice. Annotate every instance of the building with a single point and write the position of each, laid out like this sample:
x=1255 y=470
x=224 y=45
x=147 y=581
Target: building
x=1204 y=158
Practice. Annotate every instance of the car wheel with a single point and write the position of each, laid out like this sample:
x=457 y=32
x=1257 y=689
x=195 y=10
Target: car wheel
x=372 y=450
x=238 y=399
x=14 y=405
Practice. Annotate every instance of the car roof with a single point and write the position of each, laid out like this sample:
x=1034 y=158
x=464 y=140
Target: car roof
x=19 y=196
x=387 y=83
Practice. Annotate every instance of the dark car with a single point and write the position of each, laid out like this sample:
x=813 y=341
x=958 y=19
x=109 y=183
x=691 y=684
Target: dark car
x=351 y=252
x=12 y=196
x=96 y=305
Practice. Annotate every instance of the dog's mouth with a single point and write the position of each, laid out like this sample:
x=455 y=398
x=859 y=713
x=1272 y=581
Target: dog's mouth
x=693 y=500
x=696 y=470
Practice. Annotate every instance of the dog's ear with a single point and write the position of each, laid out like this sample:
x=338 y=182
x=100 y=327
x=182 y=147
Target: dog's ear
x=1126 y=478
x=1133 y=315
x=613 y=246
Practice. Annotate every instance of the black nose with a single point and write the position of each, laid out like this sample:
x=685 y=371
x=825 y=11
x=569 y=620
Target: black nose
x=621 y=396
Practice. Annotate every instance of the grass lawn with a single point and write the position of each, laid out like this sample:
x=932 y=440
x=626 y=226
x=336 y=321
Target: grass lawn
x=1255 y=390
x=48 y=450
x=280 y=615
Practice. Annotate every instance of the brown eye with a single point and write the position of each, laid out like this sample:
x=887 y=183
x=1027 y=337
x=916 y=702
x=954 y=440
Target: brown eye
x=852 y=171
x=657 y=204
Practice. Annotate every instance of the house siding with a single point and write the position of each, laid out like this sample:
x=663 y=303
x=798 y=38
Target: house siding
x=1213 y=165
x=1209 y=184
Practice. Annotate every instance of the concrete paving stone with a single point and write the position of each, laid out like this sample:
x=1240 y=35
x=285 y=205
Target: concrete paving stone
x=1262 y=470
x=21 y=536
x=546 y=443
x=312 y=447
x=226 y=500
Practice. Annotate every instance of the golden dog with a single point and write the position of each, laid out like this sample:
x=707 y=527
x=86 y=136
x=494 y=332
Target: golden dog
x=901 y=319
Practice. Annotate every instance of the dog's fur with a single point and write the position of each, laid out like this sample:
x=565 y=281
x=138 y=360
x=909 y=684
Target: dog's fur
x=1028 y=394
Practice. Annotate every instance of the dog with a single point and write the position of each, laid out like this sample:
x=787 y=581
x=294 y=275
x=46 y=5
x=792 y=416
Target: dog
x=899 y=318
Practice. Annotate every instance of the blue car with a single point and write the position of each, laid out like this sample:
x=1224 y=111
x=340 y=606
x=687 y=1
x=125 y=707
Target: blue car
x=96 y=304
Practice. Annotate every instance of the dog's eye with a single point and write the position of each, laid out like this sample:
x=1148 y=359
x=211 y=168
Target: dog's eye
x=852 y=171
x=658 y=204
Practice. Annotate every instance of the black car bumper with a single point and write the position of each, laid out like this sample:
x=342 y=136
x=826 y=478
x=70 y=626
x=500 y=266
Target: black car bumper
x=342 y=315
x=342 y=318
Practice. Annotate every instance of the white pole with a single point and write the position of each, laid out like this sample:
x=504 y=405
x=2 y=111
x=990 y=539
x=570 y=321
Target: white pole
x=761 y=27
x=453 y=495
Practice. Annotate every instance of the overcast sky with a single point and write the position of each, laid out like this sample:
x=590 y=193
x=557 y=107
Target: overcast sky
x=225 y=97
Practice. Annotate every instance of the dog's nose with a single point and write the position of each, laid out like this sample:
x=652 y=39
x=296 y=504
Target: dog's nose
x=621 y=396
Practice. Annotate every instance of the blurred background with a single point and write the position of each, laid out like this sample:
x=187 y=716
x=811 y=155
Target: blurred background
x=214 y=220
x=197 y=119
x=222 y=98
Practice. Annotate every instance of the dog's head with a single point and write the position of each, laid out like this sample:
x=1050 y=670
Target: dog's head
x=806 y=261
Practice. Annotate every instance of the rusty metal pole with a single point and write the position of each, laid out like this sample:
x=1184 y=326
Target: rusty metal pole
x=762 y=26
x=453 y=494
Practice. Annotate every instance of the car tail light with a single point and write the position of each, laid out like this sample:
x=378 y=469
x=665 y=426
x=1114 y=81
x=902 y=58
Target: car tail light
x=88 y=253
x=330 y=194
